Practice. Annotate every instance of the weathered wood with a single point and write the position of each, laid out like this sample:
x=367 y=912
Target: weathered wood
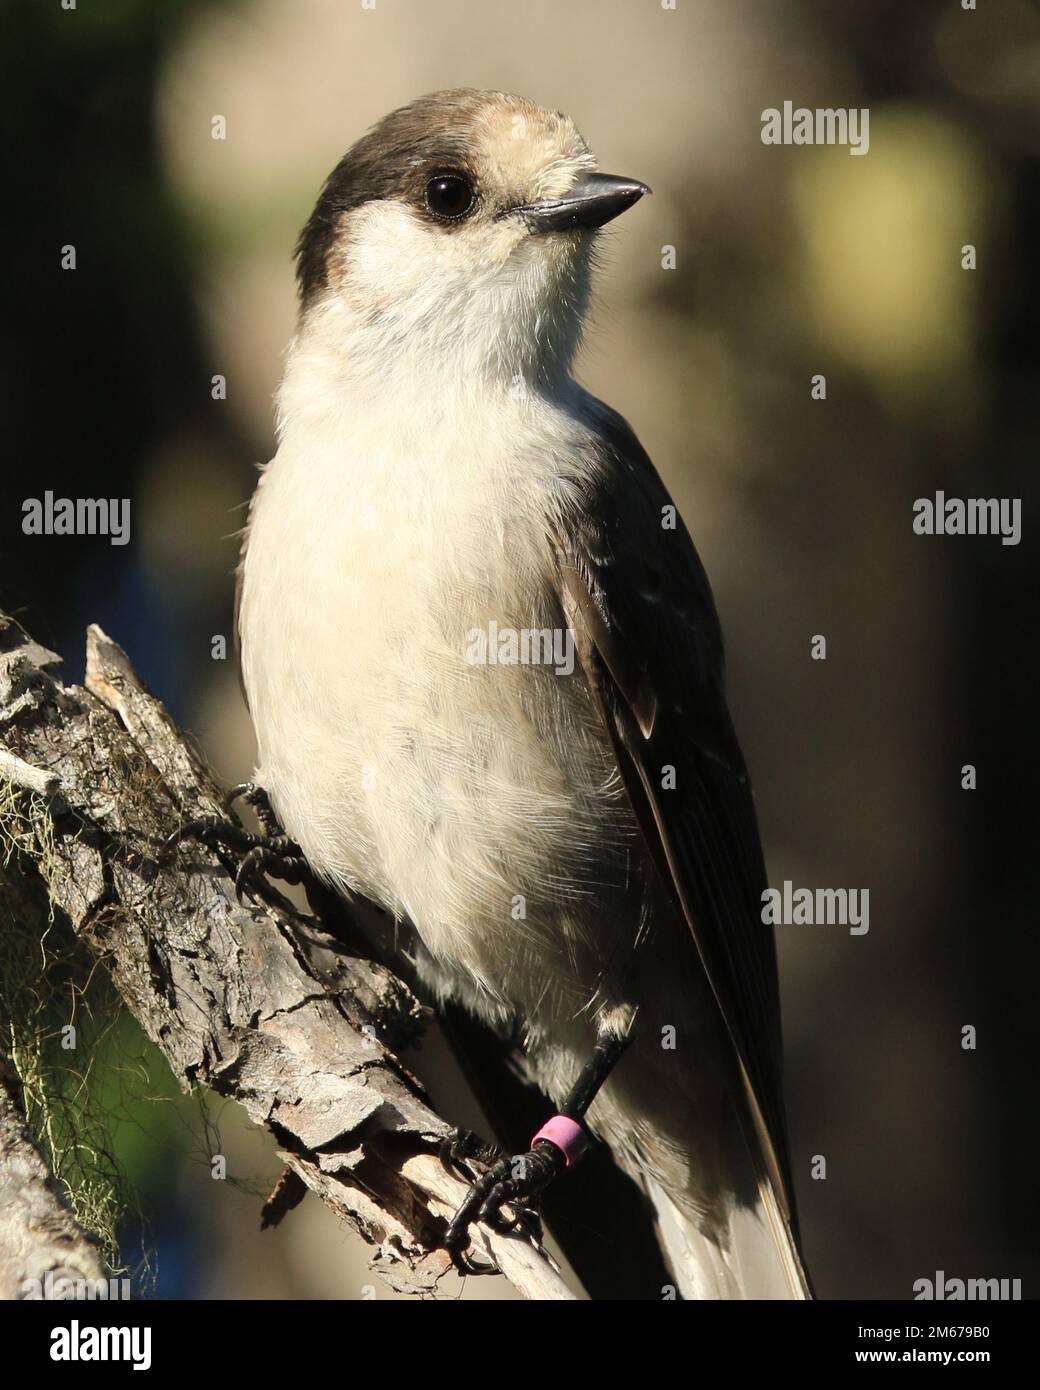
x=251 y=1000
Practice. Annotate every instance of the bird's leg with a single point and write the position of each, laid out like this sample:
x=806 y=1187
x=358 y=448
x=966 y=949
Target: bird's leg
x=271 y=852
x=519 y=1180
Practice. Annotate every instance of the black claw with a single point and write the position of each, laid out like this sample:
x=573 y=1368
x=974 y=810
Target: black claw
x=281 y=858
x=248 y=871
x=214 y=833
x=461 y=1147
x=256 y=797
x=516 y=1182
x=466 y=1263
x=269 y=853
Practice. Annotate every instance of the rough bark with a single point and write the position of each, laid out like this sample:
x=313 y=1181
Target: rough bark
x=252 y=1000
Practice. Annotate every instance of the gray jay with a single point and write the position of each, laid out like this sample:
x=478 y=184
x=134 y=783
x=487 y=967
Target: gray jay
x=484 y=669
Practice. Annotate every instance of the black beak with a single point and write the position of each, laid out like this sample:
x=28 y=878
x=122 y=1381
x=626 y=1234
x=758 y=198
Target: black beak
x=594 y=200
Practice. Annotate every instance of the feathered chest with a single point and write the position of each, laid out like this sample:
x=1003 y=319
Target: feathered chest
x=406 y=658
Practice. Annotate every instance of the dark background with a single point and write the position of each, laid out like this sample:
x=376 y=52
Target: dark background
x=790 y=261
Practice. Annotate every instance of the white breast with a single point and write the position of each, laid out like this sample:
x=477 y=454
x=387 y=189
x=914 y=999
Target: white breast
x=478 y=801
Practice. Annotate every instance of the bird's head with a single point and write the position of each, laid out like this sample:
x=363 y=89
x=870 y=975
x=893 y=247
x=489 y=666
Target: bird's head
x=457 y=234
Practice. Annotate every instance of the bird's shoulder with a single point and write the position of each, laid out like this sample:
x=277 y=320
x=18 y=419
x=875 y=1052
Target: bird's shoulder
x=626 y=555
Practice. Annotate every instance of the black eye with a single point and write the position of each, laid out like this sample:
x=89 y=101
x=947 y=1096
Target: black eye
x=449 y=195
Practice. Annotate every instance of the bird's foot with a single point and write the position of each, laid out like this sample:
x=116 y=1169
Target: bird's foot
x=515 y=1182
x=461 y=1147
x=271 y=852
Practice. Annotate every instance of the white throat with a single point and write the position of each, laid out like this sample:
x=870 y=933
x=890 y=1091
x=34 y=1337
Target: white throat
x=415 y=315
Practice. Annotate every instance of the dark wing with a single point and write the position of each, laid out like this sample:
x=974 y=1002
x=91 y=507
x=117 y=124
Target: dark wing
x=647 y=634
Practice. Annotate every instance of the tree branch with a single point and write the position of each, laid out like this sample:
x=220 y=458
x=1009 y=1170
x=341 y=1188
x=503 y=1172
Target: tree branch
x=252 y=1000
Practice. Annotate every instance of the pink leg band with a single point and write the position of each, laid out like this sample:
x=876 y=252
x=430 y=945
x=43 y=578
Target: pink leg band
x=566 y=1135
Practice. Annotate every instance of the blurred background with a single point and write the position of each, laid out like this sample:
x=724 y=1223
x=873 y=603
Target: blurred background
x=788 y=262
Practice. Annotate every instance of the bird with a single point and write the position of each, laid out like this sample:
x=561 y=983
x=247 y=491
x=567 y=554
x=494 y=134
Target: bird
x=484 y=670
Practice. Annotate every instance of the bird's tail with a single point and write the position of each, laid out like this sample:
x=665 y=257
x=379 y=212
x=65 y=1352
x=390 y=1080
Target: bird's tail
x=754 y=1256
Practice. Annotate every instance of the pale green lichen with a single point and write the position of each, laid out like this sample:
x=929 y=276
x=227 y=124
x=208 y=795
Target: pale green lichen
x=57 y=1010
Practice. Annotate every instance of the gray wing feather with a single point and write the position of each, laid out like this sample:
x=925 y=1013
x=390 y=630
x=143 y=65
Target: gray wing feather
x=648 y=637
